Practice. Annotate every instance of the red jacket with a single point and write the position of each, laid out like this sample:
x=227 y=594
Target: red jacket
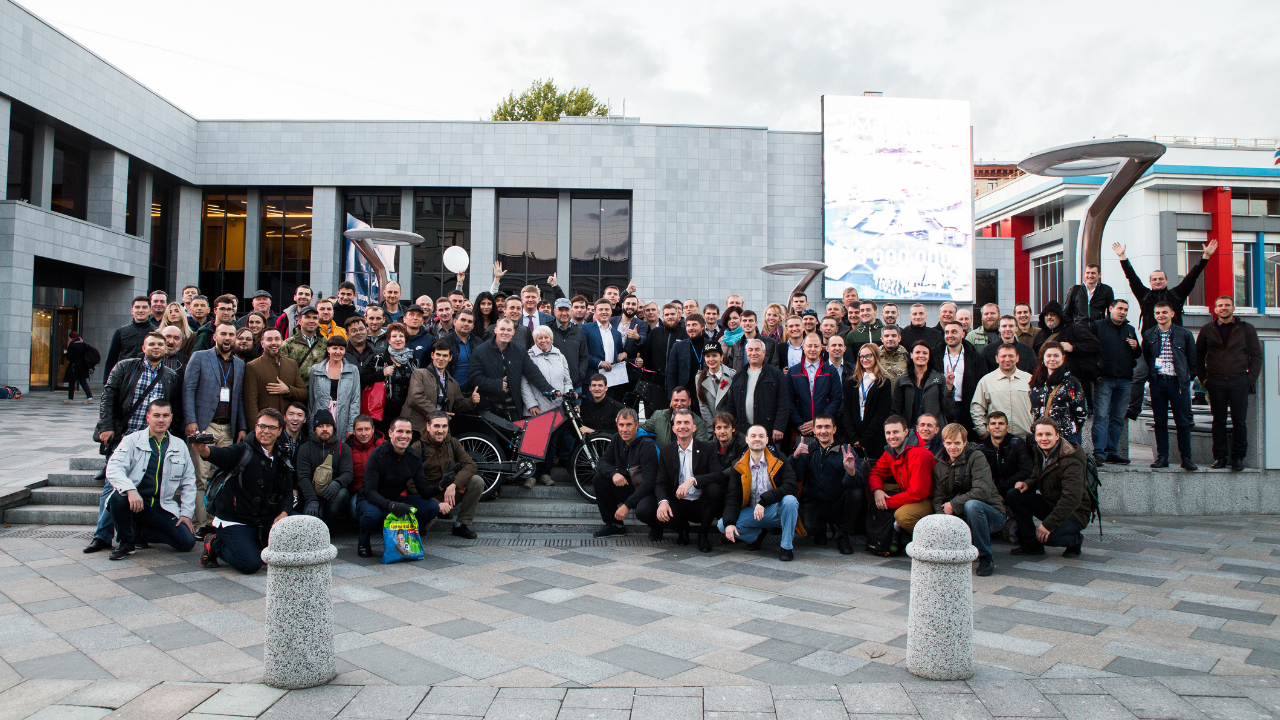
x=911 y=469
x=360 y=454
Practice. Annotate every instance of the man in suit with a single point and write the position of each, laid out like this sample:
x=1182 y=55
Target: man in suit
x=604 y=343
x=1090 y=299
x=760 y=394
x=963 y=366
x=213 y=402
x=791 y=350
x=686 y=359
x=531 y=318
x=690 y=482
x=513 y=311
x=815 y=387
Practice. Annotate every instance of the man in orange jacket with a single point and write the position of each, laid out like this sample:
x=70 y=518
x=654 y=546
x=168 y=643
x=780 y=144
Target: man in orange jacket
x=900 y=483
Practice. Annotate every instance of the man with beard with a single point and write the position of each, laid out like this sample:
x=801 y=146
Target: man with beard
x=989 y=333
x=654 y=351
x=463 y=342
x=213 y=402
x=287 y=322
x=1008 y=336
x=174 y=359
x=333 y=496
x=224 y=311
x=272 y=380
x=376 y=319
x=446 y=464
x=305 y=347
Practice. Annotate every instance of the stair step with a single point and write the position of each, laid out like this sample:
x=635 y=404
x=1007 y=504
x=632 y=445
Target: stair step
x=93 y=464
x=66 y=496
x=559 y=491
x=534 y=525
x=505 y=508
x=86 y=480
x=52 y=515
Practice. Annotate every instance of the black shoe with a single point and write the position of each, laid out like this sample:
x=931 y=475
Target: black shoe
x=1027 y=550
x=655 y=534
x=843 y=545
x=208 y=558
x=1237 y=464
x=786 y=555
x=682 y=537
x=755 y=545
x=463 y=531
x=122 y=552
x=1117 y=460
x=1161 y=462
x=1099 y=460
x=1219 y=464
x=364 y=551
x=610 y=530
x=142 y=544
x=704 y=543
x=203 y=531
x=1071 y=552
x=1131 y=415
x=897 y=544
x=1189 y=466
x=876 y=550
x=986 y=566
x=96 y=545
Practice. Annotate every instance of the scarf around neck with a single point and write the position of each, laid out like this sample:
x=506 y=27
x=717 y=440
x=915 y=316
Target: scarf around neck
x=731 y=336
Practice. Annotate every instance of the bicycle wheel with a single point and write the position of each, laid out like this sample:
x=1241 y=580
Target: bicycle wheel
x=585 y=459
x=484 y=449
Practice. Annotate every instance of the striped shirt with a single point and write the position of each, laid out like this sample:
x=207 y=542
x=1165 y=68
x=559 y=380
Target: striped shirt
x=138 y=420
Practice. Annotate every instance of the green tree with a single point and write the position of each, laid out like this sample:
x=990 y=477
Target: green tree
x=544 y=102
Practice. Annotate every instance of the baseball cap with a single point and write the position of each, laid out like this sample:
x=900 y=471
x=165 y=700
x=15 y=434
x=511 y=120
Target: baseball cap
x=563 y=303
x=308 y=309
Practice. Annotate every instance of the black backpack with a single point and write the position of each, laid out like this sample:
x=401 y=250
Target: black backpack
x=91 y=356
x=1092 y=488
x=220 y=477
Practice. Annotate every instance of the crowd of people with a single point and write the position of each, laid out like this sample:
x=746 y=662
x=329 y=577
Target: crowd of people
x=843 y=424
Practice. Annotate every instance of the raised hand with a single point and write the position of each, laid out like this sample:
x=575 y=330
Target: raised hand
x=1210 y=249
x=1118 y=249
x=498 y=272
x=850 y=461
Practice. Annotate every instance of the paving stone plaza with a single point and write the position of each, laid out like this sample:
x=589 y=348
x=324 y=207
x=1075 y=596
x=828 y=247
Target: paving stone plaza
x=1163 y=618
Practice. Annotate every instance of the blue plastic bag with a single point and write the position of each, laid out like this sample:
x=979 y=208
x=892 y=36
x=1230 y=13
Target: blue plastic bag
x=400 y=539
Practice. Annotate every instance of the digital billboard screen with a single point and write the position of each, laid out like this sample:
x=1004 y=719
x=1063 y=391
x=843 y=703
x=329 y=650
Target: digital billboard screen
x=897 y=198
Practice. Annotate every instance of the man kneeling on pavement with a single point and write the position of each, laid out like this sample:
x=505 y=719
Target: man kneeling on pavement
x=147 y=471
x=900 y=483
x=447 y=465
x=1055 y=493
x=395 y=484
x=833 y=486
x=690 y=484
x=963 y=487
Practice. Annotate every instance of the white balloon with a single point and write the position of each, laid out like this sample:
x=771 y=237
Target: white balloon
x=456 y=259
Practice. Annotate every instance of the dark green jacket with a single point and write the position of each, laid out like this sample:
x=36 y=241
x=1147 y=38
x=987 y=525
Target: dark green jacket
x=1060 y=482
x=966 y=478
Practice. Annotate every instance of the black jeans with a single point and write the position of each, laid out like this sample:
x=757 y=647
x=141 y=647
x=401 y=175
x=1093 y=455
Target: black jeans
x=153 y=523
x=610 y=496
x=83 y=383
x=1167 y=392
x=1023 y=505
x=844 y=512
x=240 y=546
x=702 y=512
x=1229 y=396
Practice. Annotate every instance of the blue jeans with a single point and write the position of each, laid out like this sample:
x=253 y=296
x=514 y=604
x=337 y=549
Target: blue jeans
x=1110 y=401
x=980 y=517
x=781 y=514
x=371 y=517
x=1167 y=392
x=106 y=526
x=241 y=546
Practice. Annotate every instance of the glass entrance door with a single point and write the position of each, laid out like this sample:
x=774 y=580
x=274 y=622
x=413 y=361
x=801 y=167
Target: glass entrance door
x=41 y=337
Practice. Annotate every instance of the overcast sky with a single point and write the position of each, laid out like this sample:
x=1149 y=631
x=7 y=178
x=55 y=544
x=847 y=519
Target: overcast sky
x=1036 y=74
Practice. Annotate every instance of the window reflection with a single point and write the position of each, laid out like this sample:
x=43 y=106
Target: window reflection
x=599 y=244
x=222 y=244
x=285 y=247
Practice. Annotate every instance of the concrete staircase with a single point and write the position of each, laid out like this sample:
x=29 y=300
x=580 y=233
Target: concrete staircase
x=71 y=498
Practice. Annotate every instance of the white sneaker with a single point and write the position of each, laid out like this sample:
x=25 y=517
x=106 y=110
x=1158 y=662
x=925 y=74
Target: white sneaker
x=90 y=401
x=67 y=401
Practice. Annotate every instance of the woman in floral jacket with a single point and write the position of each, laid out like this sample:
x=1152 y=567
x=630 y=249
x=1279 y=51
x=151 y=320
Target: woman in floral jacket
x=1058 y=394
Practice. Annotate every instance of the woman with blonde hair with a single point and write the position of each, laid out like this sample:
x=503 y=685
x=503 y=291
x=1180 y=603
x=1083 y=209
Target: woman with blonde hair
x=771 y=328
x=868 y=402
x=176 y=316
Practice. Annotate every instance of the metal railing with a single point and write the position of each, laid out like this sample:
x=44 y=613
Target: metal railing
x=1217 y=141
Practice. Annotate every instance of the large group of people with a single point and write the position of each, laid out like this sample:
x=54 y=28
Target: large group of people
x=724 y=422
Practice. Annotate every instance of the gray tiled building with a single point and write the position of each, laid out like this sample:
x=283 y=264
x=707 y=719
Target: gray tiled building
x=113 y=191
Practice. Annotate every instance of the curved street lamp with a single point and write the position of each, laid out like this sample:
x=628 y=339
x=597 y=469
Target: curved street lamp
x=366 y=240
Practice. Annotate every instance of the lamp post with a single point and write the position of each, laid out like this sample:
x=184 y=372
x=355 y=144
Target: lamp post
x=366 y=240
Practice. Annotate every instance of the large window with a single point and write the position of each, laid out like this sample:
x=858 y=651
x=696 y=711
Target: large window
x=222 y=244
x=284 y=260
x=1046 y=280
x=1255 y=202
x=600 y=244
x=526 y=241
x=1049 y=218
x=18 y=182
x=70 y=180
x=1242 y=266
x=986 y=287
x=1190 y=249
x=444 y=221
x=158 y=277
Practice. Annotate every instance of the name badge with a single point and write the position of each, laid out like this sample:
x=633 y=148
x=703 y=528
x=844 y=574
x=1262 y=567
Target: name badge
x=224 y=395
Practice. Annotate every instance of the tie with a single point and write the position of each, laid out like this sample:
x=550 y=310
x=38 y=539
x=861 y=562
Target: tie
x=531 y=327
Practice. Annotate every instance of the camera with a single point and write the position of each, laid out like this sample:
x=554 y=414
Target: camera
x=203 y=439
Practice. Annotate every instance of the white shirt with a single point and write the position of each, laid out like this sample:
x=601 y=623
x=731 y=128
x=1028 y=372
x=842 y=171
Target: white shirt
x=530 y=320
x=752 y=376
x=606 y=339
x=954 y=363
x=686 y=469
x=867 y=381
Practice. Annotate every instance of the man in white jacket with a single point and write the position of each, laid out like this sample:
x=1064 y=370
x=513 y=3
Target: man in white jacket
x=154 y=483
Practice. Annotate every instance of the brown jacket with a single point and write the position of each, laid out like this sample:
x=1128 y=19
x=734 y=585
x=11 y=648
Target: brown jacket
x=424 y=389
x=436 y=460
x=1240 y=357
x=1060 y=482
x=257 y=373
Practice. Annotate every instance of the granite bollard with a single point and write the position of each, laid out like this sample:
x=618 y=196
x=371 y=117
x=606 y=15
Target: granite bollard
x=299 y=645
x=940 y=619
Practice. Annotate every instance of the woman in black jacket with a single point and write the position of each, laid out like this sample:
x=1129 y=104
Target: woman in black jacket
x=921 y=389
x=394 y=366
x=868 y=402
x=78 y=370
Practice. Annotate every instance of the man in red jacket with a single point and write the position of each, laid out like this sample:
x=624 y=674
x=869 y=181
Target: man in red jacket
x=900 y=484
x=362 y=442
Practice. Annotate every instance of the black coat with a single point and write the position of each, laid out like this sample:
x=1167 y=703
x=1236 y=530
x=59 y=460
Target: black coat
x=781 y=355
x=620 y=457
x=126 y=343
x=573 y=345
x=683 y=364
x=1117 y=357
x=600 y=416
x=657 y=345
x=867 y=428
x=821 y=473
x=772 y=400
x=937 y=401
x=1084 y=360
x=490 y=365
x=1079 y=307
x=910 y=334
x=975 y=367
x=706 y=469
x=1175 y=296
x=311 y=454
x=388 y=474
x=1026 y=356
x=118 y=396
x=1011 y=463
x=77 y=361
x=264 y=489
